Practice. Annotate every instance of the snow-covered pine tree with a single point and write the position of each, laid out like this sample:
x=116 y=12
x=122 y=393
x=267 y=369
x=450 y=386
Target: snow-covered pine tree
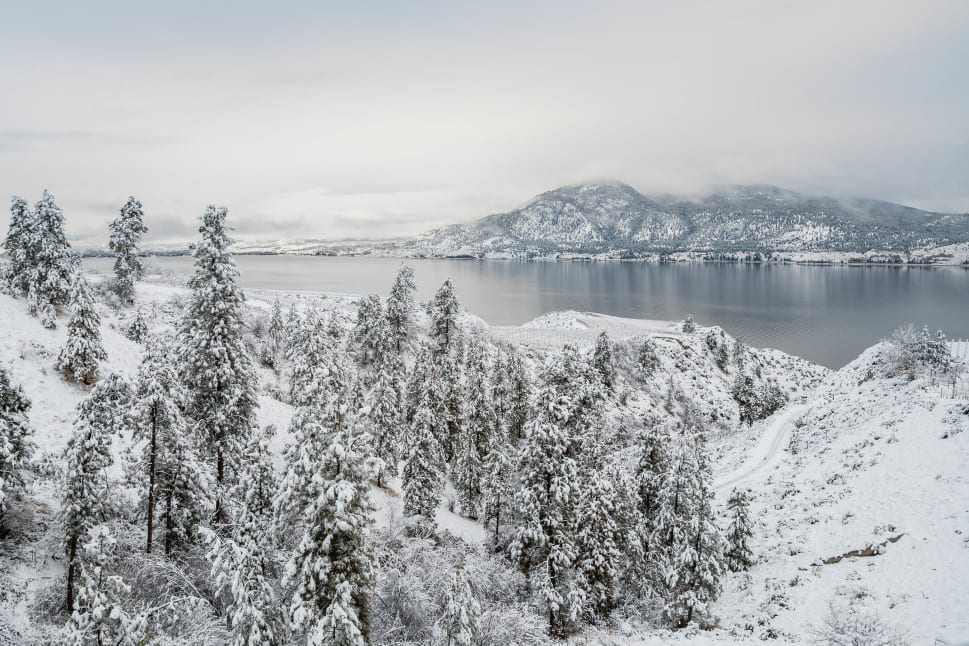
x=83 y=351
x=519 y=396
x=696 y=564
x=87 y=496
x=689 y=325
x=317 y=369
x=424 y=466
x=273 y=345
x=214 y=363
x=497 y=487
x=331 y=570
x=547 y=497
x=445 y=330
x=17 y=244
x=651 y=472
x=739 y=556
x=647 y=359
x=461 y=622
x=479 y=425
x=603 y=361
x=126 y=231
x=99 y=617
x=241 y=564
x=15 y=444
x=370 y=339
x=402 y=309
x=599 y=542
x=137 y=330
x=168 y=470
x=53 y=263
x=383 y=417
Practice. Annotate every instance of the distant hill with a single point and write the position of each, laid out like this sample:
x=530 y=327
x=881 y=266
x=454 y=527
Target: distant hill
x=599 y=218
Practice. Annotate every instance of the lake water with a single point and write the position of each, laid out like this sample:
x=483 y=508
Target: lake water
x=826 y=314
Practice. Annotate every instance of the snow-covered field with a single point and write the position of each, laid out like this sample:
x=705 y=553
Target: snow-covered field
x=855 y=461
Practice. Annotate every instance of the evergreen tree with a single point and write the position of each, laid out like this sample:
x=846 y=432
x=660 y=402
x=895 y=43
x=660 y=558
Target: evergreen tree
x=446 y=384
x=331 y=569
x=87 y=496
x=603 y=361
x=384 y=418
x=445 y=330
x=100 y=618
x=53 y=264
x=215 y=362
x=599 y=542
x=738 y=556
x=317 y=369
x=126 y=231
x=370 y=340
x=647 y=359
x=462 y=613
x=272 y=350
x=651 y=470
x=497 y=487
x=401 y=309
x=17 y=244
x=480 y=422
x=519 y=397
x=169 y=471
x=689 y=325
x=239 y=562
x=424 y=466
x=544 y=545
x=137 y=331
x=15 y=444
x=83 y=350
x=694 y=560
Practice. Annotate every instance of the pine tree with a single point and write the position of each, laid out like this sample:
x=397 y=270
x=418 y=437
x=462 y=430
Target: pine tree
x=689 y=325
x=647 y=359
x=370 y=339
x=331 y=569
x=445 y=330
x=544 y=545
x=695 y=557
x=15 y=444
x=603 y=361
x=215 y=364
x=479 y=424
x=53 y=262
x=738 y=556
x=83 y=350
x=424 y=466
x=384 y=417
x=317 y=368
x=446 y=383
x=169 y=472
x=519 y=397
x=239 y=562
x=401 y=309
x=100 y=617
x=651 y=471
x=272 y=350
x=87 y=494
x=497 y=487
x=17 y=244
x=137 y=331
x=461 y=622
x=126 y=232
x=599 y=542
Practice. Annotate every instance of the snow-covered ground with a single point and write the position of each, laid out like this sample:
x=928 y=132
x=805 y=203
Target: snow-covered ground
x=856 y=460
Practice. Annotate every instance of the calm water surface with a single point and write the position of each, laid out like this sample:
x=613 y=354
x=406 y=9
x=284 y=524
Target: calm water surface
x=826 y=314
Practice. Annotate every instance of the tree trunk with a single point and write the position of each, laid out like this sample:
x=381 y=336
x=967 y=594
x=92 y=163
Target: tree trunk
x=71 y=554
x=151 y=478
x=169 y=521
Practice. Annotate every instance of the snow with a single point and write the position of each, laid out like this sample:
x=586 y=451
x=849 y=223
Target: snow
x=861 y=459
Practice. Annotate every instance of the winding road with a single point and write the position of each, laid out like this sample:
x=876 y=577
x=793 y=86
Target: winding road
x=768 y=449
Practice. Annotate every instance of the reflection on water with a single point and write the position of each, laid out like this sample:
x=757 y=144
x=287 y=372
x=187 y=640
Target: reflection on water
x=826 y=314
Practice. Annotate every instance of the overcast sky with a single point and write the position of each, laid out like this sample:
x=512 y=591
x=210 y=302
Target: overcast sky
x=375 y=119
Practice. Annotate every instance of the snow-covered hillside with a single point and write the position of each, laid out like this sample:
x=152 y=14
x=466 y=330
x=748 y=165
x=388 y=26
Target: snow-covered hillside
x=856 y=461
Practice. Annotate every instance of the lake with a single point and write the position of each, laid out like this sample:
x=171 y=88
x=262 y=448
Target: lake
x=827 y=314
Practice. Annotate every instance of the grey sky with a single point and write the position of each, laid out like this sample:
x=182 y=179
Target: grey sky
x=372 y=119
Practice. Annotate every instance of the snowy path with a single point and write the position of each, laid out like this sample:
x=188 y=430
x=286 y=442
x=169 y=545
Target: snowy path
x=768 y=449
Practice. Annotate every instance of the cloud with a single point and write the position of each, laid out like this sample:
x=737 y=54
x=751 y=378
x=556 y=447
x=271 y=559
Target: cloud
x=381 y=119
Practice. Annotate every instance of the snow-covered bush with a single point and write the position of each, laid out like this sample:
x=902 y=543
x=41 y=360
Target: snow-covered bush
x=909 y=351
x=856 y=625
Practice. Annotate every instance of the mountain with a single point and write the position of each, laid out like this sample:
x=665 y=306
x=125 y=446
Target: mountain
x=616 y=218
